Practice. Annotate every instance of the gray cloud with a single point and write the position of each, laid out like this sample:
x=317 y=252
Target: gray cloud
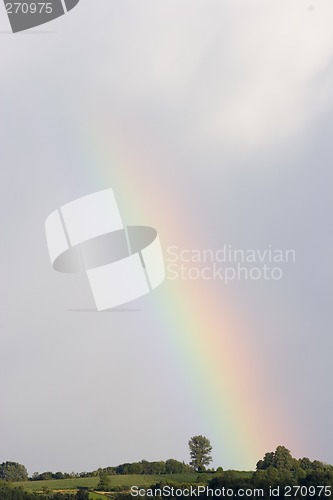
x=233 y=102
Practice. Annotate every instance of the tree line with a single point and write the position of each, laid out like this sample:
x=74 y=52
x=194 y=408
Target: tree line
x=200 y=451
x=276 y=469
x=170 y=466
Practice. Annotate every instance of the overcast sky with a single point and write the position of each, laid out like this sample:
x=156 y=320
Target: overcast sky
x=220 y=109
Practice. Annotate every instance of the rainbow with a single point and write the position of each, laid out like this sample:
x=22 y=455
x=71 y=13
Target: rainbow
x=211 y=348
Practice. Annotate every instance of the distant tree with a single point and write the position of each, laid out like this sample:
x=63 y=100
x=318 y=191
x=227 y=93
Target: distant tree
x=173 y=466
x=104 y=482
x=283 y=459
x=45 y=476
x=13 y=471
x=200 y=452
x=122 y=468
x=134 y=468
x=145 y=466
x=280 y=459
x=266 y=462
x=319 y=476
x=58 y=475
x=157 y=467
x=305 y=463
x=317 y=465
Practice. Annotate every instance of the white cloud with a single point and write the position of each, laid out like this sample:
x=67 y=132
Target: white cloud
x=241 y=73
x=211 y=72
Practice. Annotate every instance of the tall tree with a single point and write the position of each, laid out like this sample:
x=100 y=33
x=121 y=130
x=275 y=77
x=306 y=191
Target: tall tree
x=200 y=451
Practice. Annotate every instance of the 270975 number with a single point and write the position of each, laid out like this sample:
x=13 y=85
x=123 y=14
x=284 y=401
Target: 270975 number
x=307 y=491
x=28 y=8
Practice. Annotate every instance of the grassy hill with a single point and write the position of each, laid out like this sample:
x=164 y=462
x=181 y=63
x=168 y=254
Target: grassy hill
x=118 y=482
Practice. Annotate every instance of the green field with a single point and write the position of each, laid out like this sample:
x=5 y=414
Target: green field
x=118 y=482
x=59 y=484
